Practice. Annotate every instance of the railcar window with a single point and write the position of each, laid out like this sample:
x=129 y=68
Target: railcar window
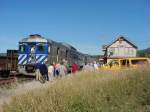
x=57 y=51
x=22 y=48
x=144 y=61
x=66 y=53
x=49 y=49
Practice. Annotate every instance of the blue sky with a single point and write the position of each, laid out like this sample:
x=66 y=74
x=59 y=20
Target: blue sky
x=85 y=24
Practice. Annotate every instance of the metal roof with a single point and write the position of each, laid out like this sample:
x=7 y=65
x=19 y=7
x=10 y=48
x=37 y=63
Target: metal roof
x=123 y=38
x=34 y=38
x=68 y=45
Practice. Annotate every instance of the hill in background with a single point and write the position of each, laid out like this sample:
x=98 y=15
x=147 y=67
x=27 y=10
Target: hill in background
x=144 y=52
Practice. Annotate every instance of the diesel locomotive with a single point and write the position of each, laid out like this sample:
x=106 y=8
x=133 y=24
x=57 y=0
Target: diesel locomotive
x=37 y=49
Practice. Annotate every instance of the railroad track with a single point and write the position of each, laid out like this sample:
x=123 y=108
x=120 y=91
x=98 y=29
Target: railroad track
x=14 y=79
x=6 y=81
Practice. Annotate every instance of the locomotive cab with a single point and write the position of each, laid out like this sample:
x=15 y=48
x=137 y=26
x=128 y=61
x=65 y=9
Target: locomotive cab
x=32 y=50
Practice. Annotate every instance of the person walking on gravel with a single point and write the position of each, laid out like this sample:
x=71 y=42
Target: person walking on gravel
x=50 y=71
x=62 y=69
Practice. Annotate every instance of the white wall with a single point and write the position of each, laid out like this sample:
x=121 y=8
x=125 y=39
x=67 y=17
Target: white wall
x=122 y=49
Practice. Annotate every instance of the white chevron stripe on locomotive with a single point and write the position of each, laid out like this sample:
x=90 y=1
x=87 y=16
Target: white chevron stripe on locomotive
x=44 y=60
x=25 y=62
x=22 y=58
x=38 y=60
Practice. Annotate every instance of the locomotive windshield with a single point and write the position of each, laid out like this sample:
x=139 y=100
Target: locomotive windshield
x=22 y=48
x=41 y=48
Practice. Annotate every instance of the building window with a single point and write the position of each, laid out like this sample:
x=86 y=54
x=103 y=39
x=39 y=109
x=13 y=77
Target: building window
x=116 y=51
x=126 y=51
x=131 y=51
x=111 y=51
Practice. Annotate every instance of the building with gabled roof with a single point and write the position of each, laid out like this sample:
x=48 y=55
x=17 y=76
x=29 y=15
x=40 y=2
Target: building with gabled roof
x=120 y=48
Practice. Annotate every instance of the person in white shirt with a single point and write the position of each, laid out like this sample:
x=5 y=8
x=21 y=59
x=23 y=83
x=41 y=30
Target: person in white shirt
x=95 y=65
x=88 y=67
x=33 y=50
x=62 y=70
x=50 y=71
x=33 y=56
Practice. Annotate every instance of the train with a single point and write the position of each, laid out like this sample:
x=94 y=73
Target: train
x=37 y=49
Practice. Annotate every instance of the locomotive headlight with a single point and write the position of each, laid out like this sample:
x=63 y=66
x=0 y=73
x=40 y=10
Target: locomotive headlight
x=21 y=66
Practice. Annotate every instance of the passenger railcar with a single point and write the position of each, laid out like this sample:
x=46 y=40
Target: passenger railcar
x=37 y=49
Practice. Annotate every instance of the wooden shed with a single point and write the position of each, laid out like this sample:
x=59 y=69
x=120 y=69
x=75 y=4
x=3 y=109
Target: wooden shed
x=120 y=48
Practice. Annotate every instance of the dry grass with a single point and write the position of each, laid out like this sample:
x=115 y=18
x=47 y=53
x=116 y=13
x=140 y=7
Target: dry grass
x=122 y=91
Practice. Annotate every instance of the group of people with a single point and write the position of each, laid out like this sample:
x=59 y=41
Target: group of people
x=91 y=66
x=55 y=70
x=61 y=69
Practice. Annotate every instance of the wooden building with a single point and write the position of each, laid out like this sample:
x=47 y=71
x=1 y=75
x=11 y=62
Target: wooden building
x=120 y=48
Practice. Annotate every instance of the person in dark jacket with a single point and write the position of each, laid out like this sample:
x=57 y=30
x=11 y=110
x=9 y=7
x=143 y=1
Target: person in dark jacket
x=43 y=70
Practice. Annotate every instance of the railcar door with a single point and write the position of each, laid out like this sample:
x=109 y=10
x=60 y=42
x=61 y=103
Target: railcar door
x=32 y=53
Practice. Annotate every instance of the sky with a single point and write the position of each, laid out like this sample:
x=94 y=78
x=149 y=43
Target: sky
x=85 y=24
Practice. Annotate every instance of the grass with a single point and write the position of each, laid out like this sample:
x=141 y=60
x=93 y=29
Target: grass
x=122 y=91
